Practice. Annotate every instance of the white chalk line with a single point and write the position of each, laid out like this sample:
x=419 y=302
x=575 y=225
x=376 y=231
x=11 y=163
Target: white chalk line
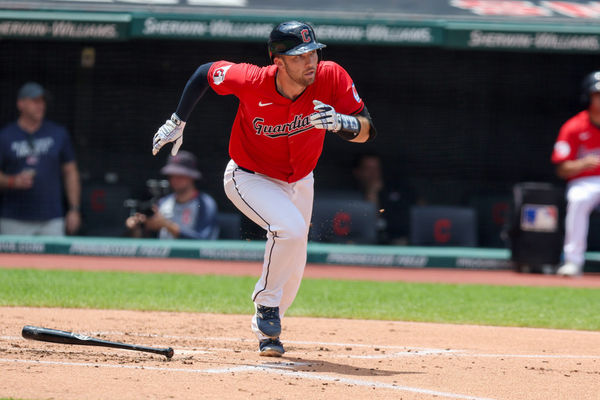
x=398 y=354
x=11 y=338
x=274 y=368
x=493 y=355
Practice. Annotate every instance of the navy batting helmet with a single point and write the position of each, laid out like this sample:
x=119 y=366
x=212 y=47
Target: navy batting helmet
x=590 y=84
x=292 y=38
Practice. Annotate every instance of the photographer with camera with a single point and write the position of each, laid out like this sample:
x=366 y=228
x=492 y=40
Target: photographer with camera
x=186 y=213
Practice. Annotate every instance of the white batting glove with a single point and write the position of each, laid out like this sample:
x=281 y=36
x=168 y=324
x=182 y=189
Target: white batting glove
x=325 y=117
x=171 y=131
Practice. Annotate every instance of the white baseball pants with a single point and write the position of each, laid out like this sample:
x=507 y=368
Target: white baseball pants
x=583 y=196
x=284 y=211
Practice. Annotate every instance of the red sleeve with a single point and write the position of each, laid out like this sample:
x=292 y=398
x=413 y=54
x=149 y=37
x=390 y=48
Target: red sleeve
x=346 y=98
x=225 y=77
x=566 y=144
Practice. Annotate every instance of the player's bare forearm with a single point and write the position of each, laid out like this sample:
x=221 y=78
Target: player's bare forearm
x=365 y=128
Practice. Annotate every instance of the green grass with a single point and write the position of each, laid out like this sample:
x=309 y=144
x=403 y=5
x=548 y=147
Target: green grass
x=565 y=308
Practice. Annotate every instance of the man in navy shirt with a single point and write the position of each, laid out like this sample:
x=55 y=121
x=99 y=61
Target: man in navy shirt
x=186 y=213
x=36 y=162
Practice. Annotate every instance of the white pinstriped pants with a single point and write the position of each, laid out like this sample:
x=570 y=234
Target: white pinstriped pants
x=284 y=211
x=583 y=196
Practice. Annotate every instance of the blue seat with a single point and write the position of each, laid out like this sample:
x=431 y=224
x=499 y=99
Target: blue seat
x=102 y=209
x=493 y=214
x=229 y=225
x=443 y=226
x=342 y=220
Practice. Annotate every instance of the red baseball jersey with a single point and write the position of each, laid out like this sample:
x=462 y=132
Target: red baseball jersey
x=577 y=138
x=272 y=134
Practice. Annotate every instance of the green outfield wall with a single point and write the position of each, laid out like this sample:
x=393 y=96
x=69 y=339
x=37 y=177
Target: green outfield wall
x=232 y=250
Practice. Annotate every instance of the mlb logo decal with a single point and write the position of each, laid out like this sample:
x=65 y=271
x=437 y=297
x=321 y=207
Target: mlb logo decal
x=355 y=93
x=219 y=74
x=539 y=218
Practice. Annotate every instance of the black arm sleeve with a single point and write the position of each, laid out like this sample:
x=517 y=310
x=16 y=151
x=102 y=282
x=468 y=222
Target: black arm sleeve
x=194 y=90
x=372 y=130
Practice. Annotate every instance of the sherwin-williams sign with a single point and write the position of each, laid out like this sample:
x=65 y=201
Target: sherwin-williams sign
x=517 y=35
x=540 y=10
x=156 y=26
x=186 y=28
x=522 y=37
x=63 y=25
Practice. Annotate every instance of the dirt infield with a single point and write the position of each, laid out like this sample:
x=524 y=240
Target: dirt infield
x=216 y=355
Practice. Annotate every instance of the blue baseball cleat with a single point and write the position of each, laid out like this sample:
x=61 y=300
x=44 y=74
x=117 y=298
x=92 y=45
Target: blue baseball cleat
x=267 y=321
x=271 y=348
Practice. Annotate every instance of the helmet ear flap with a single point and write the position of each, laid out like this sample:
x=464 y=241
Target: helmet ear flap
x=270 y=54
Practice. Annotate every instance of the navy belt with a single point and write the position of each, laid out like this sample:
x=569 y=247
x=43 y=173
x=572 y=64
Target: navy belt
x=245 y=169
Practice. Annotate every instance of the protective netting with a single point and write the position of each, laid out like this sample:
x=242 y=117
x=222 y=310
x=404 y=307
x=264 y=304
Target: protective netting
x=455 y=127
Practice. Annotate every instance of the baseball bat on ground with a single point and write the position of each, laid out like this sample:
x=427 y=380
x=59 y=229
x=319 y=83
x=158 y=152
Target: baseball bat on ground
x=56 y=336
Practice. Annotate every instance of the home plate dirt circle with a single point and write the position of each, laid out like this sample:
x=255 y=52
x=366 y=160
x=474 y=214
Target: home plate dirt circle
x=216 y=357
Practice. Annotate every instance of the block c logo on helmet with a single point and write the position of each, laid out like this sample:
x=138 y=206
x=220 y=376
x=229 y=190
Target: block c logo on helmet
x=305 y=35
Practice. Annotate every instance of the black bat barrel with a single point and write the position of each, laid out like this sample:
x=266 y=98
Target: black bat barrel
x=52 y=335
x=64 y=337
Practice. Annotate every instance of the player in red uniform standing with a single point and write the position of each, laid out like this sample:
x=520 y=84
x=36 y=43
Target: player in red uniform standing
x=277 y=137
x=577 y=155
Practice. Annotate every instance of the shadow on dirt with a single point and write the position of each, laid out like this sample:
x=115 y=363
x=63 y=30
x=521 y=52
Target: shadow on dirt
x=307 y=365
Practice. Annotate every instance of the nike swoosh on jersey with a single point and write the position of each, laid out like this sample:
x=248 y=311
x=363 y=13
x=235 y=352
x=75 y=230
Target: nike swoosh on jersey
x=261 y=104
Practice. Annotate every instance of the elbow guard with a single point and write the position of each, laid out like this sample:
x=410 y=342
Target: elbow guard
x=372 y=130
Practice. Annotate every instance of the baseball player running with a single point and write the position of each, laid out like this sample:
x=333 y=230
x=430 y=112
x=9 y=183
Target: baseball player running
x=577 y=155
x=284 y=111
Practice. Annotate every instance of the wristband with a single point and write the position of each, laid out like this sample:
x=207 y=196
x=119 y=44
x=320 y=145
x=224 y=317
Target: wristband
x=350 y=127
x=176 y=120
x=74 y=208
